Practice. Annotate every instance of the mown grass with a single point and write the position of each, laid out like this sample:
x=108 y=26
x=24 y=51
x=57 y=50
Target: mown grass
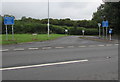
x=22 y=38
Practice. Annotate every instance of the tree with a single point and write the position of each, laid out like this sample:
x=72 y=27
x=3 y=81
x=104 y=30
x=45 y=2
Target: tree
x=111 y=11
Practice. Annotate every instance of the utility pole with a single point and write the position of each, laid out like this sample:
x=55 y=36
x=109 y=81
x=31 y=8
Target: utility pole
x=48 y=20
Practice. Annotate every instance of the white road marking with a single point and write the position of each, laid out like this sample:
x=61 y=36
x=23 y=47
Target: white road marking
x=33 y=48
x=42 y=65
x=59 y=47
x=101 y=45
x=4 y=50
x=70 y=46
x=19 y=49
x=82 y=46
x=108 y=44
x=46 y=48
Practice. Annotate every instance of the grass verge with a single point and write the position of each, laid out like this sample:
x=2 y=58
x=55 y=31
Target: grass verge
x=23 y=38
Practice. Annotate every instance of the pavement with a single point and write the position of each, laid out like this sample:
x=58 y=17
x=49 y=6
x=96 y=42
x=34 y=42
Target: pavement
x=66 y=58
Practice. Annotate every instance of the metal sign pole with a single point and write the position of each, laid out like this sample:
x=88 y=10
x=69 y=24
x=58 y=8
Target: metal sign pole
x=83 y=31
x=110 y=37
x=110 y=32
x=106 y=32
x=99 y=25
x=6 y=33
x=103 y=32
x=12 y=33
x=99 y=32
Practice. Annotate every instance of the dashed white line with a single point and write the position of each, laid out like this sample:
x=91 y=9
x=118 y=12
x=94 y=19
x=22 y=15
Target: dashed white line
x=59 y=47
x=108 y=44
x=4 y=50
x=46 y=48
x=33 y=48
x=43 y=65
x=82 y=46
x=19 y=49
x=101 y=45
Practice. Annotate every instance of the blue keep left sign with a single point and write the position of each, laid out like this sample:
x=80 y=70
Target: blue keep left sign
x=105 y=24
x=8 y=20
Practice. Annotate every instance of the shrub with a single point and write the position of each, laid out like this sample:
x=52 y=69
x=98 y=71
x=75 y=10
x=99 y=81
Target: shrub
x=78 y=31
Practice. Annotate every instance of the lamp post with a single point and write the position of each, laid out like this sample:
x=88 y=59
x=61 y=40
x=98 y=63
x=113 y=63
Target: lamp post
x=48 y=20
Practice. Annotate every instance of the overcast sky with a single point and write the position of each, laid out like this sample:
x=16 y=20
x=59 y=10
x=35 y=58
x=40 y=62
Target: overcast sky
x=60 y=9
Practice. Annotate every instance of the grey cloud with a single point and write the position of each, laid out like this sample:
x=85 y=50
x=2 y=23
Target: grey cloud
x=74 y=10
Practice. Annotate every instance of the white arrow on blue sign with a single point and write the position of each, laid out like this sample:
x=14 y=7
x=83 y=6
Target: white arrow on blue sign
x=110 y=31
x=8 y=20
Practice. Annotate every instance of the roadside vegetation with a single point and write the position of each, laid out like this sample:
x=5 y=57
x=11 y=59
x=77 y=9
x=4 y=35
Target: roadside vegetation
x=22 y=38
x=30 y=25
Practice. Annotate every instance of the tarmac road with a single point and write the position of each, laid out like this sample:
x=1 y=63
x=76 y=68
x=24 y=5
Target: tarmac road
x=67 y=58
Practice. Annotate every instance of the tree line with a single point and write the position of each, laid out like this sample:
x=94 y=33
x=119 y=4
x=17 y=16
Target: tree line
x=58 y=26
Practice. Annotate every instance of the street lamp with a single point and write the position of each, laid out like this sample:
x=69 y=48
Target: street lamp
x=48 y=20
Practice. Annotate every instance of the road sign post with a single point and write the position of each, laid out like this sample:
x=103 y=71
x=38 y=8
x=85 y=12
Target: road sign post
x=105 y=24
x=110 y=37
x=6 y=33
x=12 y=33
x=103 y=32
x=106 y=32
x=106 y=29
x=9 y=21
x=110 y=34
x=99 y=25
x=66 y=31
x=83 y=31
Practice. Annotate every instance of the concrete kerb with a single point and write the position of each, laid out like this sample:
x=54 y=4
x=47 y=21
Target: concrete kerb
x=100 y=39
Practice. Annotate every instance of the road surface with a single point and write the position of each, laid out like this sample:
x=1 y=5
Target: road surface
x=67 y=58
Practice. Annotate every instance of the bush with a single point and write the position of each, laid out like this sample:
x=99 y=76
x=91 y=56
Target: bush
x=78 y=31
x=21 y=27
x=57 y=29
x=91 y=31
